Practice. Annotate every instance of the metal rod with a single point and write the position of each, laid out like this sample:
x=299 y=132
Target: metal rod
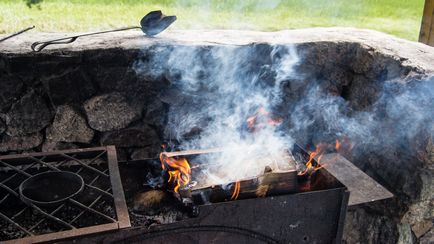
x=17 y=33
x=85 y=165
x=16 y=169
x=82 y=164
x=16 y=224
x=82 y=212
x=63 y=204
x=52 y=213
x=38 y=209
x=38 y=46
x=100 y=191
x=44 y=163
x=15 y=174
x=20 y=212
x=92 y=210
x=193 y=152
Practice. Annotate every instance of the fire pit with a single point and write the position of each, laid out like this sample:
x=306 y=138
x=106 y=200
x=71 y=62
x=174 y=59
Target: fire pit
x=360 y=93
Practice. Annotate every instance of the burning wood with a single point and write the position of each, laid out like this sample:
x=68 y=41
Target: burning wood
x=179 y=170
x=277 y=178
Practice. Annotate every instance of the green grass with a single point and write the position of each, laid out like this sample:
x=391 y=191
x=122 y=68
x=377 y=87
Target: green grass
x=401 y=18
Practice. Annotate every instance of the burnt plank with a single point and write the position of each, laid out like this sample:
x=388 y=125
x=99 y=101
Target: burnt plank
x=362 y=188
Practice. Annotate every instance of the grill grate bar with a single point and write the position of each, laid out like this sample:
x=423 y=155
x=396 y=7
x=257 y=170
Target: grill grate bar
x=4 y=198
x=52 y=213
x=92 y=187
x=15 y=224
x=100 y=191
x=82 y=212
x=12 y=176
x=44 y=163
x=19 y=213
x=63 y=204
x=38 y=209
x=15 y=168
x=95 y=201
x=92 y=210
x=86 y=166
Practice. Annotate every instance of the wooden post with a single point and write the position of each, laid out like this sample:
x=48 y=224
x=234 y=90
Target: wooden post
x=427 y=28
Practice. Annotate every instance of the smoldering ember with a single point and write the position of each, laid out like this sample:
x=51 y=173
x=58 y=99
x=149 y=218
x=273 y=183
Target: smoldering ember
x=302 y=136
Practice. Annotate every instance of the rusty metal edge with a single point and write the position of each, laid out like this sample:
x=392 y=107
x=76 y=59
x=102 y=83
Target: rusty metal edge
x=342 y=216
x=117 y=188
x=62 y=235
x=357 y=182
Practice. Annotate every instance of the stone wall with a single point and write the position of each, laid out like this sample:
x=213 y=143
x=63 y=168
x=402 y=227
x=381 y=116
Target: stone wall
x=88 y=95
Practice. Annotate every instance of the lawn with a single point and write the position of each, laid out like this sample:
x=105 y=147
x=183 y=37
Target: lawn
x=401 y=18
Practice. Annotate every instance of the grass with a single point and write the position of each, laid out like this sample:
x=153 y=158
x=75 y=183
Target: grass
x=401 y=18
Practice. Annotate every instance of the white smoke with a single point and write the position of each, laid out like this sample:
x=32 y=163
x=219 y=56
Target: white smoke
x=215 y=89
x=223 y=88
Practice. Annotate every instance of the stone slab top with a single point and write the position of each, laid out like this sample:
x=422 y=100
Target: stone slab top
x=417 y=54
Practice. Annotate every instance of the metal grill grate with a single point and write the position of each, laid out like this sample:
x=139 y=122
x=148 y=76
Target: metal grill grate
x=99 y=207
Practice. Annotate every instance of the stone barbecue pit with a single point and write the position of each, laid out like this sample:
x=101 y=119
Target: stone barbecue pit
x=341 y=94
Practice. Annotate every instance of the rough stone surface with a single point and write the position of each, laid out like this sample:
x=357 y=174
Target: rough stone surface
x=10 y=89
x=146 y=152
x=55 y=146
x=72 y=86
x=156 y=114
x=131 y=137
x=69 y=126
x=411 y=53
x=2 y=126
x=109 y=112
x=28 y=115
x=8 y=143
x=428 y=238
x=362 y=227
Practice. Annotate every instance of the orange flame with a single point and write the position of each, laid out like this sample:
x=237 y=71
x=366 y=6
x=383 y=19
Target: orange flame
x=319 y=151
x=261 y=119
x=179 y=170
x=236 y=192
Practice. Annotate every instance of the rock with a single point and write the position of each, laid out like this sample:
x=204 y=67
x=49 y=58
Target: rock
x=421 y=228
x=363 y=227
x=428 y=238
x=20 y=143
x=124 y=80
x=131 y=137
x=362 y=92
x=55 y=146
x=109 y=112
x=146 y=152
x=2 y=126
x=11 y=88
x=69 y=126
x=72 y=86
x=405 y=235
x=156 y=114
x=28 y=115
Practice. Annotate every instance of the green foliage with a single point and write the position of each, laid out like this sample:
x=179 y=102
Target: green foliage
x=398 y=17
x=31 y=3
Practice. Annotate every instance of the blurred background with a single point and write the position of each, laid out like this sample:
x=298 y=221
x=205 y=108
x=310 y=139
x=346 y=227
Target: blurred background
x=400 y=18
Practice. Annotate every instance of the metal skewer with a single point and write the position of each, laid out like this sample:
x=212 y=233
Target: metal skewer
x=38 y=46
x=17 y=33
x=151 y=24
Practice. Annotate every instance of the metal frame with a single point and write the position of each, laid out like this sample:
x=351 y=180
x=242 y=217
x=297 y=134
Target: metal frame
x=21 y=164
